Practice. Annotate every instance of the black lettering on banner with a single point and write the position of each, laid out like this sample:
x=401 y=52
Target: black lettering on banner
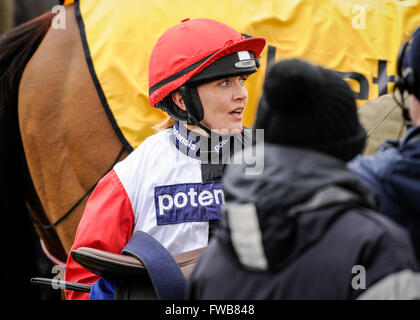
x=383 y=79
x=271 y=57
x=363 y=93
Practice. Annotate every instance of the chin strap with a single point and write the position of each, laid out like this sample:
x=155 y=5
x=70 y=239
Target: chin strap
x=192 y=120
x=195 y=111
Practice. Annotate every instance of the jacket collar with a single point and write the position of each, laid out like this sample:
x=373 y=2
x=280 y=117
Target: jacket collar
x=412 y=135
x=272 y=218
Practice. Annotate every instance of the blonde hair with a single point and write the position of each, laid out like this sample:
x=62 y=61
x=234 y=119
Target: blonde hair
x=165 y=124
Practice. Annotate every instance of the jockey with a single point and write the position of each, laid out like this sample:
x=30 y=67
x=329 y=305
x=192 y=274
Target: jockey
x=170 y=186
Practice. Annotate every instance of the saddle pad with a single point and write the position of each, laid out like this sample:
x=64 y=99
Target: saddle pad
x=359 y=39
x=109 y=265
x=122 y=267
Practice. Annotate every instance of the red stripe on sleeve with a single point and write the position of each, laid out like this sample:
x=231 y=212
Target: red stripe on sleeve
x=107 y=224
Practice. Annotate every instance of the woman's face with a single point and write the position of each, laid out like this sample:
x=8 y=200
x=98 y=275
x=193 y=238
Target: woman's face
x=223 y=102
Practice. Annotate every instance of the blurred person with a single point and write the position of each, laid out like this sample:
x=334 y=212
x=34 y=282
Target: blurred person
x=393 y=173
x=305 y=228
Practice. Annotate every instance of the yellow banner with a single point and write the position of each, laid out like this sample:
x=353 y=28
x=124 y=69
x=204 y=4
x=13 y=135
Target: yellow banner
x=357 y=38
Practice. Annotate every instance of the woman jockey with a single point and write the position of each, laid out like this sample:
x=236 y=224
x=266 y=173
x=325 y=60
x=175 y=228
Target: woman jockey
x=170 y=186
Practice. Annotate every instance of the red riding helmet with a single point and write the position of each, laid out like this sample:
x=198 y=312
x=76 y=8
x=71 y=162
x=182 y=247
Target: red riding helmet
x=194 y=52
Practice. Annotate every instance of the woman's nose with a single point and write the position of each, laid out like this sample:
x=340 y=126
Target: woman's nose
x=240 y=91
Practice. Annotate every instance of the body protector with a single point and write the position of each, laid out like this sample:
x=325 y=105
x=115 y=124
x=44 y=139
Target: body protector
x=192 y=53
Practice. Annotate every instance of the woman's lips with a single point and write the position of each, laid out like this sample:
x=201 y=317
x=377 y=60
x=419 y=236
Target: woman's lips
x=237 y=113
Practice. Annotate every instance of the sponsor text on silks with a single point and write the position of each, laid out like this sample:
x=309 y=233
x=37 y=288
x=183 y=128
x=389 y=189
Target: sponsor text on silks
x=189 y=202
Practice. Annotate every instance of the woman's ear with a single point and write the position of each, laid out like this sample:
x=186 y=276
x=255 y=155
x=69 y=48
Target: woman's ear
x=177 y=99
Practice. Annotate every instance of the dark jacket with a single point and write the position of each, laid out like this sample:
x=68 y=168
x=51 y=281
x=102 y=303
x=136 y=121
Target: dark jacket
x=393 y=174
x=303 y=229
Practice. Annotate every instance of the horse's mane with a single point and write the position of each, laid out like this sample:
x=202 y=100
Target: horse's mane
x=16 y=48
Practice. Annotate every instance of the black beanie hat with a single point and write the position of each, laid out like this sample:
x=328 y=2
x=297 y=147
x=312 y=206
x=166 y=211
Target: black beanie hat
x=310 y=107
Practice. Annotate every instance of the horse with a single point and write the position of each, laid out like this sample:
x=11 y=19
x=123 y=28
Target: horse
x=47 y=168
x=56 y=140
x=382 y=119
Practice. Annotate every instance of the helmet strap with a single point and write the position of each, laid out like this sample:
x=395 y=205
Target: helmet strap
x=195 y=111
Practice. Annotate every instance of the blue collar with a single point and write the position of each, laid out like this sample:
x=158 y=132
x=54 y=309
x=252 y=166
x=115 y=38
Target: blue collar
x=185 y=140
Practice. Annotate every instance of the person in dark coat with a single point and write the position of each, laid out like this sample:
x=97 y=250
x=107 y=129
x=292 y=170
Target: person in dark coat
x=305 y=228
x=393 y=173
